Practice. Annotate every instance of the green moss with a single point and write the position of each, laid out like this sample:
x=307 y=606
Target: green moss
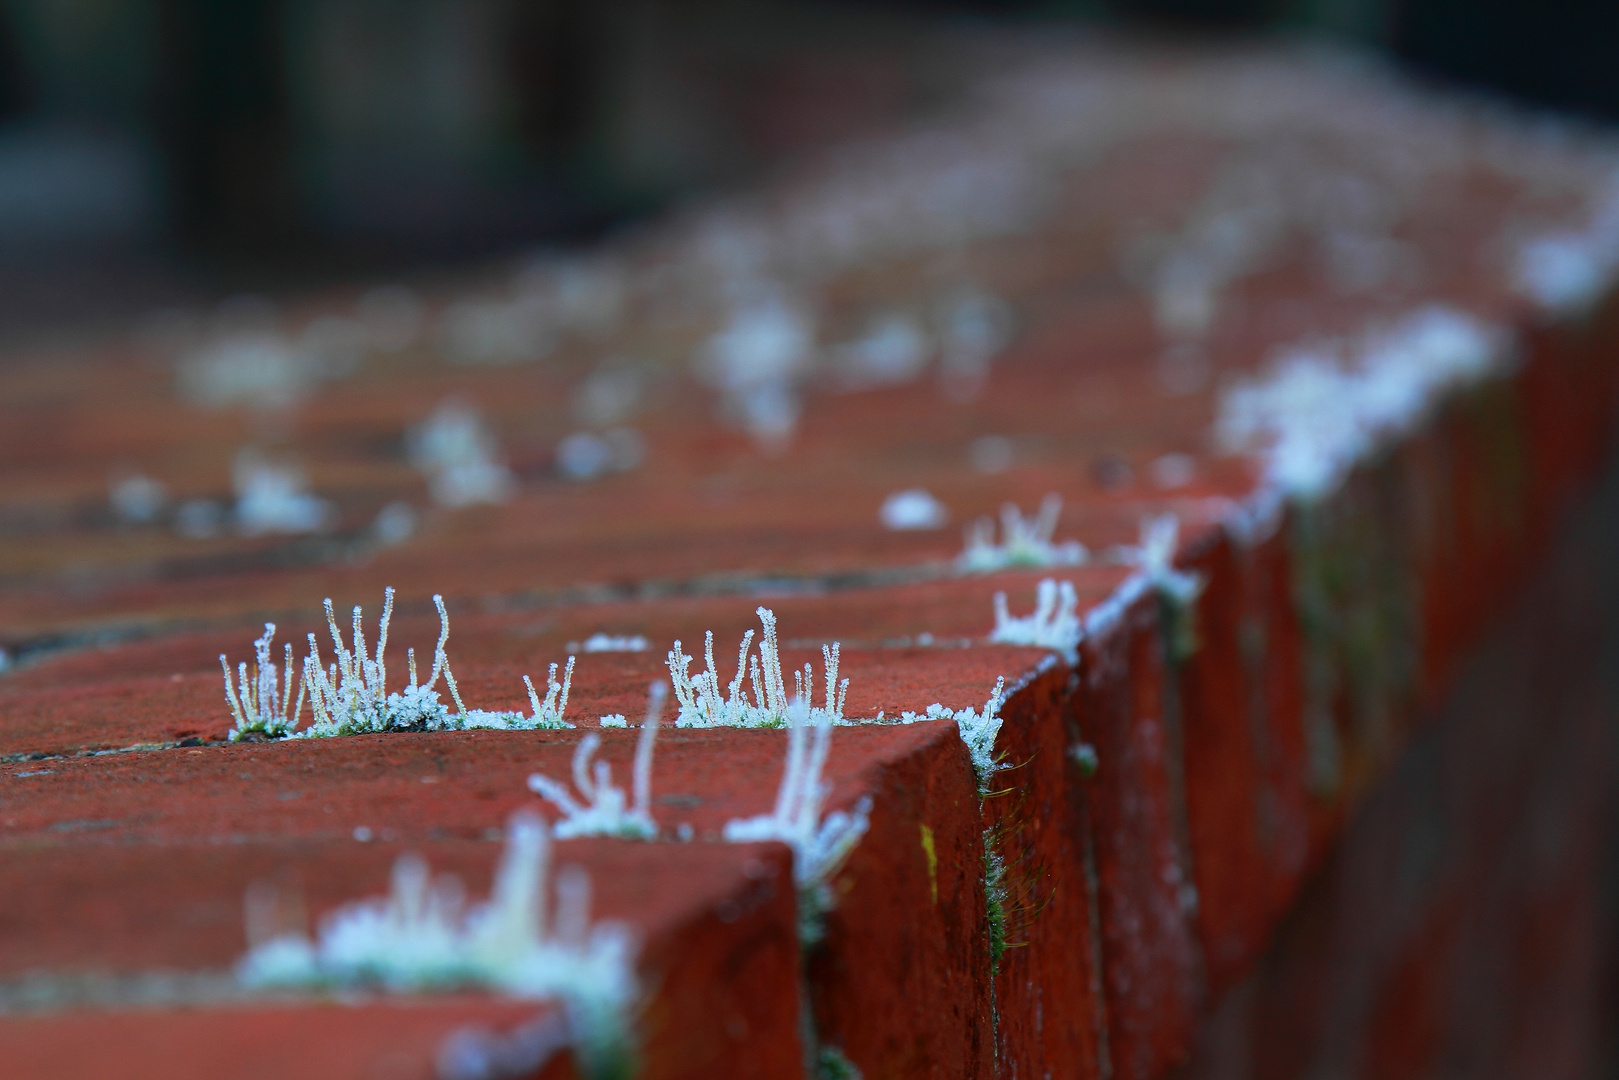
x=995 y=901
x=830 y=1064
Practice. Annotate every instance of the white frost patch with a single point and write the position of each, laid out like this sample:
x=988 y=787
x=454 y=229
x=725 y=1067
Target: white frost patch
x=272 y=498
x=1567 y=272
x=820 y=844
x=251 y=366
x=1325 y=406
x=458 y=453
x=1155 y=556
x=395 y=523
x=978 y=729
x=605 y=811
x=137 y=498
x=351 y=696
x=586 y=456
x=894 y=350
x=756 y=362
x=1024 y=541
x=913 y=509
x=265 y=705
x=1054 y=624
x=423 y=936
x=973 y=328
x=701 y=704
x=600 y=642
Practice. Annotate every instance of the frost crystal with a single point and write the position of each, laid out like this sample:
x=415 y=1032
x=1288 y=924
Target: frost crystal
x=547 y=715
x=820 y=845
x=1567 y=272
x=1325 y=406
x=894 y=350
x=913 y=509
x=1055 y=623
x=137 y=498
x=423 y=936
x=271 y=498
x=605 y=810
x=600 y=642
x=699 y=695
x=1155 y=555
x=351 y=696
x=757 y=361
x=458 y=453
x=978 y=730
x=265 y=707
x=1024 y=541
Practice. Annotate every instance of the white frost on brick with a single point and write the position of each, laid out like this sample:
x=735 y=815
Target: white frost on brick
x=1054 y=623
x=703 y=705
x=913 y=509
x=1327 y=405
x=423 y=936
x=137 y=498
x=757 y=360
x=259 y=367
x=272 y=498
x=605 y=810
x=894 y=350
x=265 y=705
x=1568 y=271
x=978 y=729
x=351 y=696
x=1155 y=556
x=603 y=642
x=1024 y=541
x=458 y=453
x=820 y=844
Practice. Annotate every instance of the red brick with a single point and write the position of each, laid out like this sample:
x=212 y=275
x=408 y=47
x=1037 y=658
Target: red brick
x=1050 y=1018
x=1151 y=970
x=401 y=1039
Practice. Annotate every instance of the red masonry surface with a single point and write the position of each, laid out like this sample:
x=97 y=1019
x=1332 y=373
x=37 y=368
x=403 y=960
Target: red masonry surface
x=1322 y=788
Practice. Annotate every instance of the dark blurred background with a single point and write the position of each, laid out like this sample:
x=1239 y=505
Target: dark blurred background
x=154 y=150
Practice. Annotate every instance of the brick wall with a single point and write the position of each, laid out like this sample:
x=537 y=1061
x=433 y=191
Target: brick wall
x=1340 y=808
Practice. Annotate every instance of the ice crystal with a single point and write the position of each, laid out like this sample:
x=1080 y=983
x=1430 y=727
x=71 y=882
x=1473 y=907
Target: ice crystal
x=137 y=498
x=913 y=509
x=351 y=696
x=271 y=498
x=587 y=456
x=547 y=715
x=1055 y=623
x=701 y=703
x=757 y=360
x=1568 y=271
x=1155 y=556
x=259 y=367
x=422 y=936
x=265 y=707
x=458 y=453
x=602 y=642
x=895 y=349
x=978 y=729
x=1024 y=541
x=820 y=844
x=1325 y=406
x=605 y=811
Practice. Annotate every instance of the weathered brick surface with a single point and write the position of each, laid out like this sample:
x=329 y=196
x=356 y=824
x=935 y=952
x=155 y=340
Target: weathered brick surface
x=1459 y=924
x=402 y=1039
x=1048 y=999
